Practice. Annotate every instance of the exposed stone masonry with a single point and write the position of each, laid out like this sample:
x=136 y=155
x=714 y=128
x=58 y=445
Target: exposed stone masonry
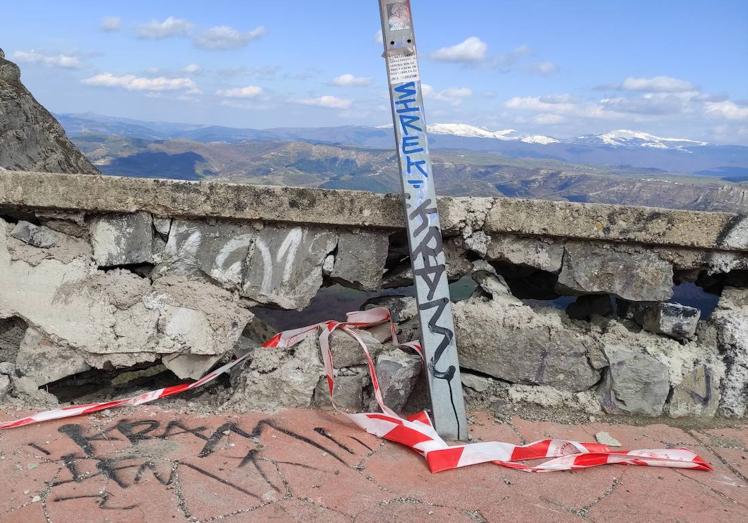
x=87 y=288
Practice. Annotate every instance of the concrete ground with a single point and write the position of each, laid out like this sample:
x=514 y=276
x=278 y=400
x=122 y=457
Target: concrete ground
x=151 y=464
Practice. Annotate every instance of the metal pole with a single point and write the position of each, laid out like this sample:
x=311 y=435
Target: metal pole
x=424 y=232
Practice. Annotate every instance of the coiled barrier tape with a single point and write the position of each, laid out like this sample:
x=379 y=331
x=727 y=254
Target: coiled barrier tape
x=417 y=431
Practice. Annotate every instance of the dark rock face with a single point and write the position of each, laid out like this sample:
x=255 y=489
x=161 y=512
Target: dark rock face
x=30 y=137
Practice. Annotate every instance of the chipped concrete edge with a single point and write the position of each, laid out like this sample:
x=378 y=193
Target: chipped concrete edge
x=161 y=197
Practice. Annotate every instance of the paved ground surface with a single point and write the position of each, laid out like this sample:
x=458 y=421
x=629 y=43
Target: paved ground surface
x=159 y=465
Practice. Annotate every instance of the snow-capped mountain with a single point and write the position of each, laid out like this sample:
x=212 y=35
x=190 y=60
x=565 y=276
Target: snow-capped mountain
x=627 y=138
x=472 y=131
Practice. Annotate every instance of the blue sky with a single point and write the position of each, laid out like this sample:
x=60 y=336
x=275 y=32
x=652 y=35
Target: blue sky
x=559 y=68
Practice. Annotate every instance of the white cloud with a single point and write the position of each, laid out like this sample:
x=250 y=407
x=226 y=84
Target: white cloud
x=110 y=24
x=65 y=61
x=131 y=82
x=225 y=37
x=657 y=84
x=559 y=105
x=378 y=37
x=471 y=50
x=507 y=61
x=453 y=95
x=166 y=28
x=332 y=102
x=651 y=103
x=545 y=68
x=349 y=80
x=727 y=109
x=192 y=69
x=249 y=91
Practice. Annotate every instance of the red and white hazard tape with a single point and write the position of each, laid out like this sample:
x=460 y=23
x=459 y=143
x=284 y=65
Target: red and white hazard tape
x=416 y=432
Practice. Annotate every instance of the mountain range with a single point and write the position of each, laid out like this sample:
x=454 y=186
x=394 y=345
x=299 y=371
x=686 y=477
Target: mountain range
x=620 y=166
x=619 y=148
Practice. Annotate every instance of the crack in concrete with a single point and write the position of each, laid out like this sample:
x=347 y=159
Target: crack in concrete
x=713 y=450
x=516 y=432
x=712 y=489
x=585 y=509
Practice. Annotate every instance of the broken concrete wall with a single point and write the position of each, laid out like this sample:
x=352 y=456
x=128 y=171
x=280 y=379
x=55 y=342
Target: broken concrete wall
x=572 y=306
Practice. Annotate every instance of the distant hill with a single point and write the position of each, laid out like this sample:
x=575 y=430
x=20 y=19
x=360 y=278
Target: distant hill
x=615 y=149
x=457 y=172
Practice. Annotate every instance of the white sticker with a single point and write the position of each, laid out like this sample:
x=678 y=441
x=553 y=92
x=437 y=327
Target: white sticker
x=403 y=69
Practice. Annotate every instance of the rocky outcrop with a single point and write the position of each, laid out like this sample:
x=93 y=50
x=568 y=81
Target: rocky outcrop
x=30 y=137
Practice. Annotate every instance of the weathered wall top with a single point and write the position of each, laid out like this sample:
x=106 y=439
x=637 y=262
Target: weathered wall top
x=667 y=227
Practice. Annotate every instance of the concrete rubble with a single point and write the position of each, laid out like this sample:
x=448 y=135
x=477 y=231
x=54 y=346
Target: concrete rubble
x=147 y=290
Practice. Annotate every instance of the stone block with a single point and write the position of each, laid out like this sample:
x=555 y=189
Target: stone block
x=601 y=269
x=34 y=235
x=397 y=372
x=346 y=352
x=731 y=321
x=348 y=395
x=217 y=250
x=671 y=319
x=360 y=259
x=284 y=266
x=122 y=239
x=635 y=383
x=544 y=255
x=508 y=340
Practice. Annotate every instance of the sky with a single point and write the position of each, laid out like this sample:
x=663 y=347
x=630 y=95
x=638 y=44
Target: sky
x=557 y=68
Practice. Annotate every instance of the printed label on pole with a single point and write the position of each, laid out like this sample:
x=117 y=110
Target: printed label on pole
x=403 y=68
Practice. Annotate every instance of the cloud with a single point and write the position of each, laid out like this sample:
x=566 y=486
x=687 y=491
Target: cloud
x=110 y=24
x=131 y=82
x=471 y=50
x=558 y=103
x=378 y=37
x=544 y=68
x=225 y=37
x=558 y=106
x=727 y=109
x=657 y=84
x=505 y=62
x=192 y=69
x=249 y=91
x=331 y=102
x=65 y=61
x=648 y=104
x=348 y=80
x=453 y=95
x=166 y=28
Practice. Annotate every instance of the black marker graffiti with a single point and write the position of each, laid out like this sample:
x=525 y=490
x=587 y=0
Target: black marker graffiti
x=133 y=461
x=427 y=256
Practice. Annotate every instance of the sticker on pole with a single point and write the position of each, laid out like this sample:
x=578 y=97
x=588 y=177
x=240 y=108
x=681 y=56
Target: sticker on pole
x=403 y=68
